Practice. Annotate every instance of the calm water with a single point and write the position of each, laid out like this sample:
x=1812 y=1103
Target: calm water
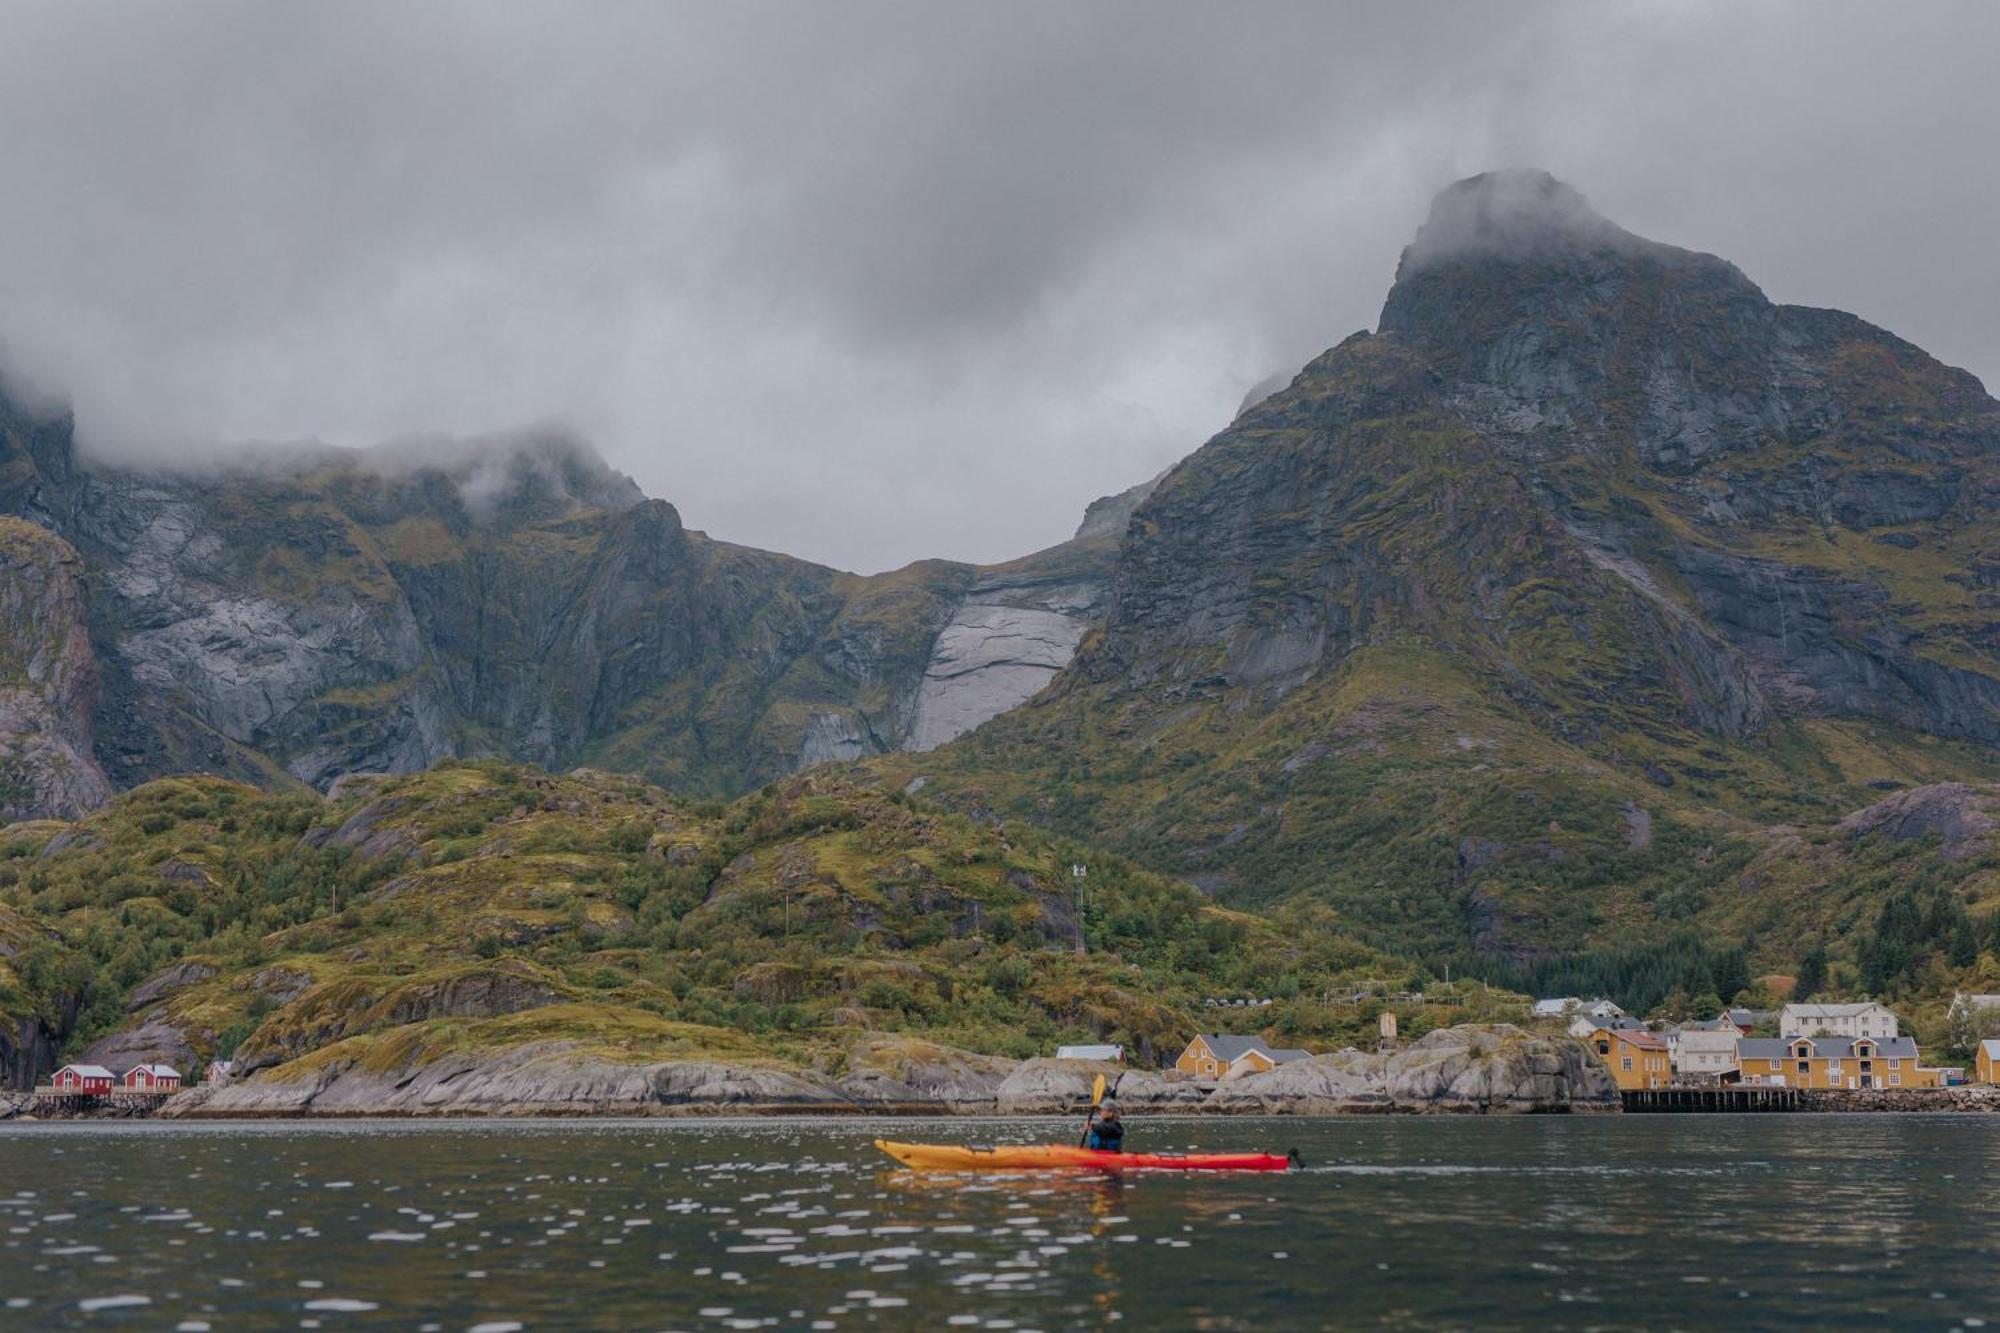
x=1651 y=1222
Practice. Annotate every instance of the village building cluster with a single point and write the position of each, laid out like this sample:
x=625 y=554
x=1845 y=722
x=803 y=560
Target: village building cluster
x=1852 y=1047
x=82 y=1080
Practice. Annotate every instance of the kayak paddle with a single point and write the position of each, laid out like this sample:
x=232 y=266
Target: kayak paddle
x=1096 y=1096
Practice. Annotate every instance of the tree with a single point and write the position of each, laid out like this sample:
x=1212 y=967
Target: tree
x=1964 y=944
x=1812 y=973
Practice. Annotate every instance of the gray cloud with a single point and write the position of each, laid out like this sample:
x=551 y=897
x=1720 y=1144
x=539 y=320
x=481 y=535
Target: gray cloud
x=867 y=282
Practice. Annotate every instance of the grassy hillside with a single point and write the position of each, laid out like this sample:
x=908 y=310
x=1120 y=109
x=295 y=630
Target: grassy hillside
x=486 y=905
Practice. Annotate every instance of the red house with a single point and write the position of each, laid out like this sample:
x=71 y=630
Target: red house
x=88 y=1080
x=152 y=1078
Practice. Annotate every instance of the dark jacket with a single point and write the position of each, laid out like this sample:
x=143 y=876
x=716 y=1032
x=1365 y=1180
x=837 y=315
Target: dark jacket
x=1107 y=1135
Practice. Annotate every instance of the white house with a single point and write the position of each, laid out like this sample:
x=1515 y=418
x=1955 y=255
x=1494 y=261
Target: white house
x=1837 y=1020
x=1555 y=1007
x=1113 y=1053
x=1706 y=1050
x=1583 y=1025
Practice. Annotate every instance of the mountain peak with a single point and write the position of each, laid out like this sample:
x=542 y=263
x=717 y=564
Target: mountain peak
x=1516 y=213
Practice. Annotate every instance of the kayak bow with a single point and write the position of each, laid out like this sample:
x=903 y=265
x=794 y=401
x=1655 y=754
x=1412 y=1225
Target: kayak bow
x=952 y=1157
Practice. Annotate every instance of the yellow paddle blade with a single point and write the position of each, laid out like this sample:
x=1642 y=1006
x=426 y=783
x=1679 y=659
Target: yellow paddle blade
x=1097 y=1090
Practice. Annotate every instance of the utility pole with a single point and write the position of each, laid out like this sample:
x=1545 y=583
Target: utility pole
x=1077 y=874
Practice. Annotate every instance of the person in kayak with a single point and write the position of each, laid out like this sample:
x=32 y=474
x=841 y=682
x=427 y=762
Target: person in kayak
x=1107 y=1129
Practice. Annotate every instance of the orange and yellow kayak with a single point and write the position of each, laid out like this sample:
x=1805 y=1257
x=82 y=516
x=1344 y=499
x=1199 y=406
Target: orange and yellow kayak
x=1055 y=1157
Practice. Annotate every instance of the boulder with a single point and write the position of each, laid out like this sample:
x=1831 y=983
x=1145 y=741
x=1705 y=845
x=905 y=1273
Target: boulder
x=1056 y=1087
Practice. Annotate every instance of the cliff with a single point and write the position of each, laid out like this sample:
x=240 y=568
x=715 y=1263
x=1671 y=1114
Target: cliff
x=294 y=614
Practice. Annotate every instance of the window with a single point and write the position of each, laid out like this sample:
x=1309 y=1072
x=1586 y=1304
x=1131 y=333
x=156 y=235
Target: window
x=1628 y=1064
x=1895 y=1080
x=1775 y=1064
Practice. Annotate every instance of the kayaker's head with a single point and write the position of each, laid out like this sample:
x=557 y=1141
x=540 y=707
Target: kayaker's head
x=1108 y=1110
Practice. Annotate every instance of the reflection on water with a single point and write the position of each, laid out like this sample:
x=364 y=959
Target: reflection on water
x=1831 y=1221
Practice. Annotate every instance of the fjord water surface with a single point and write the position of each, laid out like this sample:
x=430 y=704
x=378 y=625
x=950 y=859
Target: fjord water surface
x=1634 y=1222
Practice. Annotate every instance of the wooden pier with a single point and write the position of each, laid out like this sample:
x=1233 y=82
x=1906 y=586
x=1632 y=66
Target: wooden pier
x=53 y=1101
x=1727 y=1097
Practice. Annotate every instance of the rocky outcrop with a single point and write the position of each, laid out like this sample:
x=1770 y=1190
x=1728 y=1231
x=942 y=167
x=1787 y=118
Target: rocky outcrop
x=1497 y=1069
x=1959 y=815
x=1057 y=1087
x=48 y=679
x=894 y=1073
x=544 y=1078
x=158 y=1039
x=1107 y=518
x=1494 y=1070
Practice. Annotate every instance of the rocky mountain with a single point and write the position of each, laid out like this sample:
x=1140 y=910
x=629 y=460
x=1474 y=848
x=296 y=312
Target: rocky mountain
x=1513 y=624
x=293 y=615
x=1590 y=598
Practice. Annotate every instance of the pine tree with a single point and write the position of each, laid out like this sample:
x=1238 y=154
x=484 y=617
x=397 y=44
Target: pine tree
x=1964 y=944
x=1812 y=973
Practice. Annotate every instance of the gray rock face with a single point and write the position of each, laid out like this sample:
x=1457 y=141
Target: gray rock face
x=157 y=1040
x=162 y=984
x=990 y=658
x=1014 y=629
x=1960 y=815
x=48 y=680
x=1107 y=518
x=834 y=738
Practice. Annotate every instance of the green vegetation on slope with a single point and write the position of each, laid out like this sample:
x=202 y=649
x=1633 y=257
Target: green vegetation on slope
x=486 y=905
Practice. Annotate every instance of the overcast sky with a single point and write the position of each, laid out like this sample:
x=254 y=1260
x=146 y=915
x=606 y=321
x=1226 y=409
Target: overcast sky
x=868 y=283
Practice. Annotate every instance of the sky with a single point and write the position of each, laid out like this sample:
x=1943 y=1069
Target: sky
x=868 y=283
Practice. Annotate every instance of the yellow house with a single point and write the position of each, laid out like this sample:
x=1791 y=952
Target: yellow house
x=1986 y=1061
x=1637 y=1060
x=1850 y=1063
x=1220 y=1056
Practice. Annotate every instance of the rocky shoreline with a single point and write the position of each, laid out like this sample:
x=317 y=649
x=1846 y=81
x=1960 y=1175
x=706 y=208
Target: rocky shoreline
x=1497 y=1070
x=1473 y=1070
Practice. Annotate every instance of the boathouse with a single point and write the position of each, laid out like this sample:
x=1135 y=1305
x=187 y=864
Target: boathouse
x=84 y=1080
x=152 y=1078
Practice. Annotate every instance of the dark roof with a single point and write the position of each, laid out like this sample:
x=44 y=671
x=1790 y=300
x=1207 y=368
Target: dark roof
x=1838 y=1048
x=1230 y=1047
